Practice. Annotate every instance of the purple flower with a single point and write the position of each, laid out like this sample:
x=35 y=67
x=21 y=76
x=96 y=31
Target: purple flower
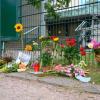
x=96 y=45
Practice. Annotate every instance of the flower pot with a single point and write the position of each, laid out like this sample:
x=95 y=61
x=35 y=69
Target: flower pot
x=97 y=57
x=97 y=54
x=46 y=68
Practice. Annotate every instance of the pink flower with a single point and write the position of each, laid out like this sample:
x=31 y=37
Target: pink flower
x=93 y=41
x=72 y=65
x=59 y=68
x=79 y=71
x=95 y=44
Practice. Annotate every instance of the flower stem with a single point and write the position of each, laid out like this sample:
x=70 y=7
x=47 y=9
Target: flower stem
x=22 y=42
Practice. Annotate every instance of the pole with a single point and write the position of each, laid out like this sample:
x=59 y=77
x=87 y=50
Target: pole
x=3 y=48
x=42 y=19
x=0 y=48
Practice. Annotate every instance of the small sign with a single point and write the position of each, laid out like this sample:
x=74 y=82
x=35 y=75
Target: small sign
x=24 y=58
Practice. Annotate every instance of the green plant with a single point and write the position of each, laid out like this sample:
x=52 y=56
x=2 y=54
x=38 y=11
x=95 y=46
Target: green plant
x=71 y=51
x=46 y=43
x=2 y=62
x=12 y=68
x=49 y=7
x=46 y=59
x=71 y=54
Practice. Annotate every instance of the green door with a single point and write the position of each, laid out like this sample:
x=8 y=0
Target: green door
x=8 y=18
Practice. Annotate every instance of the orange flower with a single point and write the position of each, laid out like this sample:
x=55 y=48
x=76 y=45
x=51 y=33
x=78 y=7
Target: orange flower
x=28 y=48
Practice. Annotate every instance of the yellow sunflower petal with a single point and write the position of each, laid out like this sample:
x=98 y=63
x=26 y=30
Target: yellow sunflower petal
x=19 y=27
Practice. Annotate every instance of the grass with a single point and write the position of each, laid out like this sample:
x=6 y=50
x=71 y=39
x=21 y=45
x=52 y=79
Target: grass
x=93 y=67
x=95 y=77
x=94 y=73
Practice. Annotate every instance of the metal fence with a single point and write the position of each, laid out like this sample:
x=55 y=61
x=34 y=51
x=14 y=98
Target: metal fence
x=80 y=20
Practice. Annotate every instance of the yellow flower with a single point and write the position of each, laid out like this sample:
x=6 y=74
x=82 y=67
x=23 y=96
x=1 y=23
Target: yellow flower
x=83 y=63
x=41 y=37
x=19 y=27
x=28 y=48
x=56 y=39
x=90 y=45
x=35 y=43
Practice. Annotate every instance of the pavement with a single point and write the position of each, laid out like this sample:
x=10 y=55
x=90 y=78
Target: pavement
x=58 y=81
x=13 y=88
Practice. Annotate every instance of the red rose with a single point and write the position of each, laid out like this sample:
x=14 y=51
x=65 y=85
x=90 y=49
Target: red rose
x=62 y=45
x=52 y=37
x=81 y=49
x=67 y=39
x=73 y=42
x=70 y=42
x=73 y=39
x=83 y=53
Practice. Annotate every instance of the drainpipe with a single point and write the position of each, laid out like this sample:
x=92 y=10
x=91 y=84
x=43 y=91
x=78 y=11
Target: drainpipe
x=42 y=19
x=3 y=48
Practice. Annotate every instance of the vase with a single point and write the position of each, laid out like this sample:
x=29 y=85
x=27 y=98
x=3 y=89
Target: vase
x=36 y=67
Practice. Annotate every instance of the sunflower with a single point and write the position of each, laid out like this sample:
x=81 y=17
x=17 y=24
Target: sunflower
x=19 y=27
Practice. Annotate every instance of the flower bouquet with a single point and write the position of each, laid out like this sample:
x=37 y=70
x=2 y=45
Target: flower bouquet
x=70 y=71
x=96 y=47
x=71 y=51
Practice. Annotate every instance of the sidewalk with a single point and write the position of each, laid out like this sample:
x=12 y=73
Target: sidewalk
x=59 y=81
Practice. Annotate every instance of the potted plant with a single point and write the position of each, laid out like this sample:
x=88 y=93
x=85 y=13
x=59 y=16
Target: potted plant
x=46 y=60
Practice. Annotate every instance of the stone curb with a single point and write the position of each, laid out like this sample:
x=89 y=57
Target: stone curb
x=58 y=81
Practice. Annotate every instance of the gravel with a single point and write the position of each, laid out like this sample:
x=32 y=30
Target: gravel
x=18 y=89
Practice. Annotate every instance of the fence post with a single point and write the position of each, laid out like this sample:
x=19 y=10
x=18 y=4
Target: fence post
x=0 y=48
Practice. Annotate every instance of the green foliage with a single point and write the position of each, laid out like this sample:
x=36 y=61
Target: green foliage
x=46 y=43
x=46 y=59
x=71 y=54
x=13 y=68
x=35 y=47
x=2 y=62
x=7 y=69
x=35 y=3
x=50 y=8
x=97 y=51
